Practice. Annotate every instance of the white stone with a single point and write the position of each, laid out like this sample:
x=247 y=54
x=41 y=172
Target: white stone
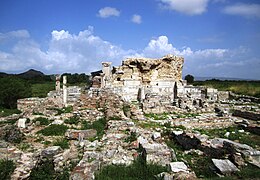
x=156 y=135
x=224 y=166
x=178 y=167
x=21 y=123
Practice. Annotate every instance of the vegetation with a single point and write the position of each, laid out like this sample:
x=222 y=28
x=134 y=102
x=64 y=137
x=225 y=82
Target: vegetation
x=7 y=112
x=54 y=130
x=251 y=88
x=63 y=143
x=72 y=120
x=132 y=137
x=77 y=79
x=45 y=171
x=138 y=170
x=162 y=116
x=68 y=109
x=6 y=169
x=42 y=120
x=99 y=125
x=189 y=78
x=243 y=137
x=11 y=89
x=42 y=89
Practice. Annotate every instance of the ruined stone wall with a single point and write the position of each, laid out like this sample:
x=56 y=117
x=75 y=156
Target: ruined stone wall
x=139 y=76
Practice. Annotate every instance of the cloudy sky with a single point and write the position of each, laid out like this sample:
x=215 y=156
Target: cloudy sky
x=219 y=38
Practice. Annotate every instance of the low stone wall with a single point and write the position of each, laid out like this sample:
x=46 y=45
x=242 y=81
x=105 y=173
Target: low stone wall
x=247 y=115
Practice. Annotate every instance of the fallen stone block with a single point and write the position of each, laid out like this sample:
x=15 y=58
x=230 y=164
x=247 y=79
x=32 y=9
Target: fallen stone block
x=21 y=123
x=178 y=167
x=224 y=166
x=51 y=151
x=80 y=134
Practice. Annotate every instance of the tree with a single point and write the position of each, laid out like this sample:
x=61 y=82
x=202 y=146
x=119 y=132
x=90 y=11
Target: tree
x=11 y=89
x=189 y=78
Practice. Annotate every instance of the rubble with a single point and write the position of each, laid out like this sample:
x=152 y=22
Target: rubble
x=224 y=166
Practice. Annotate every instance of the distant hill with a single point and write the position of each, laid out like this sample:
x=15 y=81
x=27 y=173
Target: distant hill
x=31 y=74
x=222 y=79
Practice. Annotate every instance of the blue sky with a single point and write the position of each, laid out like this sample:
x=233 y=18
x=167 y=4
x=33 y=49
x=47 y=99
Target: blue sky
x=217 y=38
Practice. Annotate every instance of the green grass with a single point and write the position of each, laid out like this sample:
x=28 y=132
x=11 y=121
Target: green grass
x=63 y=143
x=99 y=125
x=251 y=88
x=42 y=120
x=162 y=116
x=136 y=171
x=7 y=112
x=72 y=120
x=42 y=89
x=243 y=137
x=54 y=130
x=6 y=169
x=68 y=109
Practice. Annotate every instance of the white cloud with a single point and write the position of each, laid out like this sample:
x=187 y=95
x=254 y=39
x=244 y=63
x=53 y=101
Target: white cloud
x=245 y=10
x=84 y=52
x=189 y=7
x=14 y=34
x=107 y=12
x=136 y=19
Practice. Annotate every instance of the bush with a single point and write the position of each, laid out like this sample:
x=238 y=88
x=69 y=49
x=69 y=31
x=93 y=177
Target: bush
x=12 y=134
x=72 y=120
x=189 y=78
x=7 y=112
x=42 y=120
x=6 y=169
x=131 y=138
x=11 y=89
x=63 y=143
x=54 y=130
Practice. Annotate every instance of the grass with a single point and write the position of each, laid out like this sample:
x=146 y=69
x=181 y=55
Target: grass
x=72 y=120
x=162 y=116
x=138 y=170
x=243 y=137
x=199 y=164
x=68 y=109
x=7 y=112
x=251 y=88
x=6 y=169
x=63 y=143
x=42 y=120
x=42 y=89
x=99 y=125
x=54 y=130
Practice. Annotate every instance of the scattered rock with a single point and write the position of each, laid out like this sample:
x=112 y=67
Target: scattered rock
x=178 y=167
x=80 y=134
x=50 y=152
x=225 y=166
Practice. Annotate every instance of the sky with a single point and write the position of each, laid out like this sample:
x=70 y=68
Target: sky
x=217 y=38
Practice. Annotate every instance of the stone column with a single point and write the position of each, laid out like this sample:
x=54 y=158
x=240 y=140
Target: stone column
x=65 y=94
x=57 y=87
x=106 y=69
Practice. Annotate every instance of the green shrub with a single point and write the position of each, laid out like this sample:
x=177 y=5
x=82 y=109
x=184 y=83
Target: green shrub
x=63 y=143
x=54 y=130
x=6 y=169
x=42 y=120
x=72 y=120
x=162 y=116
x=131 y=138
x=7 y=112
x=114 y=118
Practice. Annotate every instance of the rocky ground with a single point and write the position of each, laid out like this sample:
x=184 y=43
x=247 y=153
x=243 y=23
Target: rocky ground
x=103 y=136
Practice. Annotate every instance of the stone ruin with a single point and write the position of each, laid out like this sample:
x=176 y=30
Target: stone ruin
x=156 y=83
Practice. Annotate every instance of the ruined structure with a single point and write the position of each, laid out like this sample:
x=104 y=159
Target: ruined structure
x=140 y=76
x=156 y=83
